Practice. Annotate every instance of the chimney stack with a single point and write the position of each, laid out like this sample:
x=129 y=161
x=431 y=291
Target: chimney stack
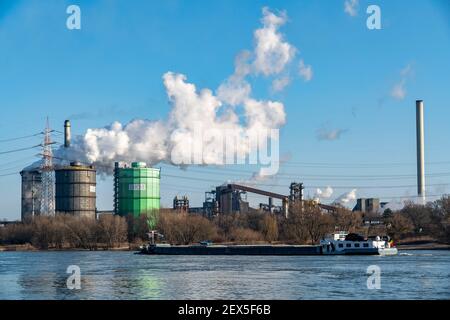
x=66 y=134
x=420 y=152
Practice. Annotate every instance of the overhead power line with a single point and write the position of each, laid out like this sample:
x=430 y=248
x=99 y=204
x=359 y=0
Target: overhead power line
x=17 y=160
x=8 y=174
x=352 y=165
x=20 y=138
x=296 y=175
x=18 y=150
x=309 y=186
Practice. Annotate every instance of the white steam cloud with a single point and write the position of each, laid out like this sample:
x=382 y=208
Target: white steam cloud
x=345 y=198
x=305 y=71
x=399 y=89
x=328 y=134
x=272 y=53
x=351 y=7
x=196 y=109
x=323 y=194
x=280 y=83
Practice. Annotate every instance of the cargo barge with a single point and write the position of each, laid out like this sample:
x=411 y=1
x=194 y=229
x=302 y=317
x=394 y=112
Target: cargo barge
x=251 y=250
x=338 y=244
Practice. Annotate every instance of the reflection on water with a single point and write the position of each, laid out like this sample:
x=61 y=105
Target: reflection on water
x=123 y=275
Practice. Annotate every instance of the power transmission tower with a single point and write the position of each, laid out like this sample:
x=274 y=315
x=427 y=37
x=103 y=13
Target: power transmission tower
x=48 y=174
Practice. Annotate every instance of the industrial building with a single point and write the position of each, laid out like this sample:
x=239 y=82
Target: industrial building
x=181 y=204
x=76 y=190
x=31 y=192
x=232 y=198
x=369 y=205
x=136 y=189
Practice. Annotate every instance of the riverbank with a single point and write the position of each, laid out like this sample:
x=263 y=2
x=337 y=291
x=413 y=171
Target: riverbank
x=421 y=243
x=413 y=245
x=424 y=246
x=29 y=247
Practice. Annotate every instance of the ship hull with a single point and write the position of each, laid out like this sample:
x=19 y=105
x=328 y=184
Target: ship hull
x=257 y=250
x=260 y=250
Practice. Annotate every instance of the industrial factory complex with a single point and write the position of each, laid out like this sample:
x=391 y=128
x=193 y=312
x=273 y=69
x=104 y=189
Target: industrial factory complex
x=69 y=187
x=136 y=191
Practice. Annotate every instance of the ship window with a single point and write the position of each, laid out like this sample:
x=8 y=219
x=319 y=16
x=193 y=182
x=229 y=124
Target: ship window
x=341 y=245
x=365 y=245
x=356 y=245
x=348 y=245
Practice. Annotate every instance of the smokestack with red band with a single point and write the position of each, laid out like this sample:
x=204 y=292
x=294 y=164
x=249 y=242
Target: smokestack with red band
x=66 y=134
x=420 y=152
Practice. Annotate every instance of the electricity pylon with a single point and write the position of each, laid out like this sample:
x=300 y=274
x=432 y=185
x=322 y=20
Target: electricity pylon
x=48 y=174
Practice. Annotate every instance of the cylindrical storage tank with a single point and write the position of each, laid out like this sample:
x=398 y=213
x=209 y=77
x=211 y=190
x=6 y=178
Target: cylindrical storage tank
x=136 y=189
x=76 y=190
x=31 y=193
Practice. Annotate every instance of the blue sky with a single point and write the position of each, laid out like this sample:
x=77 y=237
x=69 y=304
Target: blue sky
x=112 y=70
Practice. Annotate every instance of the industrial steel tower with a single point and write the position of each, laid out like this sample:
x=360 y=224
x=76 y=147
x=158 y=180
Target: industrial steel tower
x=48 y=177
x=420 y=152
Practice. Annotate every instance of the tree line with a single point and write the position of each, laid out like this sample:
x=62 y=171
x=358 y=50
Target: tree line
x=305 y=224
x=414 y=220
x=67 y=231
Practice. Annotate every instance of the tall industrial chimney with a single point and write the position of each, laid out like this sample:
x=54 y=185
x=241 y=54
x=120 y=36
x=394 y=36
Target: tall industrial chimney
x=420 y=152
x=66 y=134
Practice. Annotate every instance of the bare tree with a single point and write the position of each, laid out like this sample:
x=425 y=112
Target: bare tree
x=347 y=220
x=245 y=235
x=293 y=228
x=183 y=228
x=269 y=227
x=398 y=225
x=420 y=217
x=113 y=230
x=317 y=223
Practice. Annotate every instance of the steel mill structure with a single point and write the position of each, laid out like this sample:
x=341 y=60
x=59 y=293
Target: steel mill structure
x=31 y=192
x=76 y=190
x=136 y=189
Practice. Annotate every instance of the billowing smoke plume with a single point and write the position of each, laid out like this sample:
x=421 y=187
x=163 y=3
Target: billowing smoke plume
x=194 y=110
x=345 y=198
x=323 y=194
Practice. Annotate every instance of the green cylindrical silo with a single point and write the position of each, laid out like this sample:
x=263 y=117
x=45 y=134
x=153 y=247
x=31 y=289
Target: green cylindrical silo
x=136 y=189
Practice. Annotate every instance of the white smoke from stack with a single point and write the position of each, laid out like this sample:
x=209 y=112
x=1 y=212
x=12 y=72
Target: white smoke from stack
x=272 y=52
x=323 y=194
x=345 y=198
x=193 y=109
x=270 y=57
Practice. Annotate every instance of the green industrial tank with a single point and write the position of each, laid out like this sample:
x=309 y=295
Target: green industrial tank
x=136 y=189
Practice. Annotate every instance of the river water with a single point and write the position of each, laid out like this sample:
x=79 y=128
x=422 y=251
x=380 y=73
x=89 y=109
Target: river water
x=124 y=275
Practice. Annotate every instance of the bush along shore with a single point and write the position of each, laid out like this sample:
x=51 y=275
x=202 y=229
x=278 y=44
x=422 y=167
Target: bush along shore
x=413 y=227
